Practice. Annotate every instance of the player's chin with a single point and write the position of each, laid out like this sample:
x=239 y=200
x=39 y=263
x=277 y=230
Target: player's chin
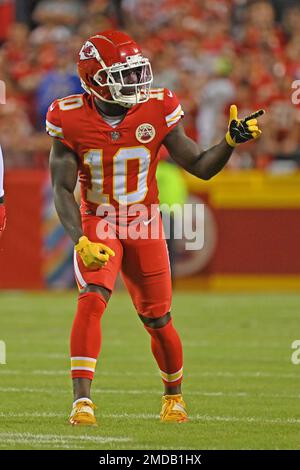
x=128 y=91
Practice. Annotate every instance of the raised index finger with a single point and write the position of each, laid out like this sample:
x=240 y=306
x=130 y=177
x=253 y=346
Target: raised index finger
x=258 y=113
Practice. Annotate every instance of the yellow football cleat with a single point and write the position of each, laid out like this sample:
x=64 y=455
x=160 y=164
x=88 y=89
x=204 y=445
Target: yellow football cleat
x=82 y=414
x=173 y=409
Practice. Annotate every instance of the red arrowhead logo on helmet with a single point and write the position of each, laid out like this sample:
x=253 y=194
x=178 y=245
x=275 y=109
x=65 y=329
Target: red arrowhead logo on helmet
x=117 y=71
x=87 y=51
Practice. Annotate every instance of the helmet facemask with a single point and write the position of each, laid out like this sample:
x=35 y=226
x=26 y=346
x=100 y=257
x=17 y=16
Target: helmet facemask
x=125 y=91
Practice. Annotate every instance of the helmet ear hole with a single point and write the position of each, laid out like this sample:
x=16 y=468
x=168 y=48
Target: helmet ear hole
x=101 y=78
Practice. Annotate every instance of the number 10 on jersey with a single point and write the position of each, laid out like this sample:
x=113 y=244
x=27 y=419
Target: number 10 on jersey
x=94 y=159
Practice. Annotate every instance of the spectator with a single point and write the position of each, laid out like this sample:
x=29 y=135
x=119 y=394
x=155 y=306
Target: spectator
x=209 y=52
x=59 y=82
x=7 y=11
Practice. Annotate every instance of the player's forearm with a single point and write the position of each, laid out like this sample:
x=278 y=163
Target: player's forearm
x=187 y=153
x=211 y=161
x=68 y=213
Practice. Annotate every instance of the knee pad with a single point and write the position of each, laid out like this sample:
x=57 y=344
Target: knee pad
x=100 y=290
x=156 y=323
x=153 y=310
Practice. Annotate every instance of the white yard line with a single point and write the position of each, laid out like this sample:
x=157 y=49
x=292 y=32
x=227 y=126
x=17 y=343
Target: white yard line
x=56 y=438
x=106 y=391
x=34 y=414
x=39 y=355
x=256 y=374
x=5 y=442
x=144 y=416
x=246 y=419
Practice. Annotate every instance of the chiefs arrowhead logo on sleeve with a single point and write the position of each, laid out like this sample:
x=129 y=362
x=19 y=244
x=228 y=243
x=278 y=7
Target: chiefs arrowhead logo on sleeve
x=145 y=133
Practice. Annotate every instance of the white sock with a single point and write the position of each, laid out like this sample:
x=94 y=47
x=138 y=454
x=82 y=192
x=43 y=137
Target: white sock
x=82 y=399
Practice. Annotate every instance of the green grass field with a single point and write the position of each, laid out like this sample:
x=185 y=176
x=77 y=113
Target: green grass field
x=242 y=390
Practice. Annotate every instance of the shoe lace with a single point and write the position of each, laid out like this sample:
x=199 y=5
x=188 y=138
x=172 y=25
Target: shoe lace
x=169 y=405
x=81 y=404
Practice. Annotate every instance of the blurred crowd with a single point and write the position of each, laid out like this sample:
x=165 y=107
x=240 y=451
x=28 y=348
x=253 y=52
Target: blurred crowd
x=210 y=52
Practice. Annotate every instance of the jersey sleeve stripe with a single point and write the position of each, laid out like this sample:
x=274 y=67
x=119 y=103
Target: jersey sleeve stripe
x=178 y=111
x=53 y=130
x=54 y=133
x=174 y=120
x=52 y=126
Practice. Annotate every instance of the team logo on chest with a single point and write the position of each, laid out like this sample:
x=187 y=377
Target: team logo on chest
x=145 y=133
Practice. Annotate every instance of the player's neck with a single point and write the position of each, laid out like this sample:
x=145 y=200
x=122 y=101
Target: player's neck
x=109 y=109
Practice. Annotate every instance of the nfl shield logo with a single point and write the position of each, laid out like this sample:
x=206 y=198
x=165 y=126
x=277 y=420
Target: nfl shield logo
x=115 y=135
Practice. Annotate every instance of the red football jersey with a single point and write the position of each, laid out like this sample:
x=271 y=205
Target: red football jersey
x=117 y=165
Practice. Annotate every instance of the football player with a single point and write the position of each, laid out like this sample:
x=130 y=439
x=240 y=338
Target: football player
x=2 y=206
x=109 y=136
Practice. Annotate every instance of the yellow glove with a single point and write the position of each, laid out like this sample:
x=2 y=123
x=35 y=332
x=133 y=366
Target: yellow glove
x=93 y=255
x=242 y=130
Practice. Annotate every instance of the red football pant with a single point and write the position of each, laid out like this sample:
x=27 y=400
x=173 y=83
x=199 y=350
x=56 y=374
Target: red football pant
x=86 y=335
x=144 y=264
